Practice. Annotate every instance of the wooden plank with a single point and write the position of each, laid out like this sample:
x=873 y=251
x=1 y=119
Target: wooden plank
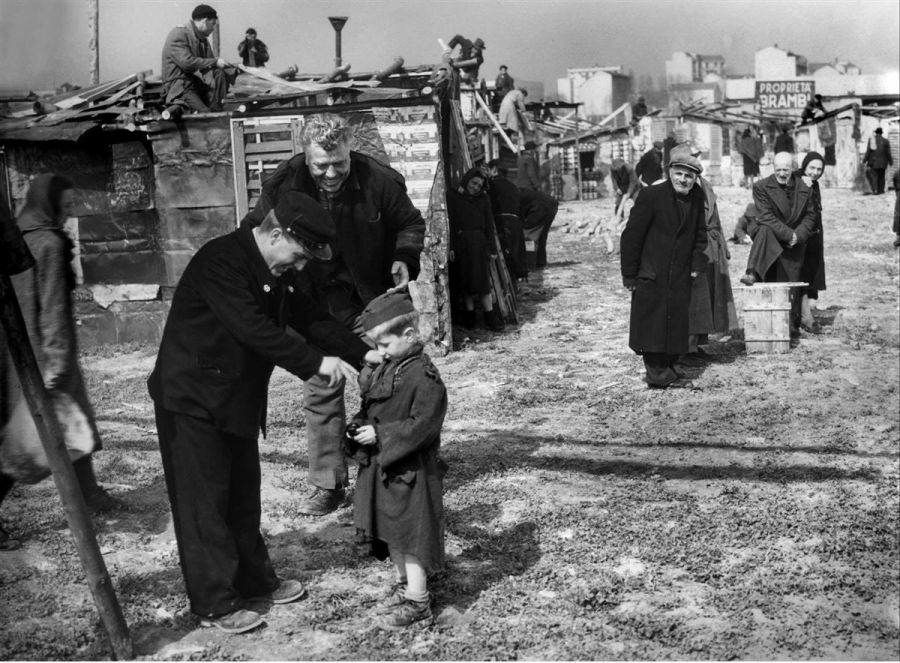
x=280 y=127
x=269 y=146
x=275 y=157
x=240 y=170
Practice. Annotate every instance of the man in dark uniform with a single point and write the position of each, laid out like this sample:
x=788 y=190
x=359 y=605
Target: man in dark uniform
x=379 y=236
x=662 y=250
x=225 y=333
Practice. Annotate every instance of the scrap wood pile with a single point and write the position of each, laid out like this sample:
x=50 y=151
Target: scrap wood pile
x=138 y=99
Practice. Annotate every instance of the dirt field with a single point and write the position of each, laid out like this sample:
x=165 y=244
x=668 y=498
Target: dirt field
x=755 y=517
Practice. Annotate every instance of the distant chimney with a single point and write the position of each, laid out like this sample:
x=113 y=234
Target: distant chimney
x=337 y=22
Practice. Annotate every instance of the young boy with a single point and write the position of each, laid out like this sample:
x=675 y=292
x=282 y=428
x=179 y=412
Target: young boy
x=397 y=504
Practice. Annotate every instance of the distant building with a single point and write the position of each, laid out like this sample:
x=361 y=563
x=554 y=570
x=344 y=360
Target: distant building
x=685 y=67
x=601 y=89
x=776 y=64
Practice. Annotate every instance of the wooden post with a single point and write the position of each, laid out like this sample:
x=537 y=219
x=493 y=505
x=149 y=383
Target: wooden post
x=49 y=431
x=94 y=43
x=216 y=33
x=496 y=124
x=577 y=155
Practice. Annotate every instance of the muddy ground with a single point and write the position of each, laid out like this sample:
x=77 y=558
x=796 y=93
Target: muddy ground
x=755 y=517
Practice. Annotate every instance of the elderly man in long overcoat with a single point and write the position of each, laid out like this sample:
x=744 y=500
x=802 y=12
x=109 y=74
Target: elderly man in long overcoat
x=663 y=250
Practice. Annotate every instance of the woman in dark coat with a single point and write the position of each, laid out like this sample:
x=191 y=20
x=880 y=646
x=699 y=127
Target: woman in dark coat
x=472 y=245
x=45 y=297
x=712 y=300
x=813 y=269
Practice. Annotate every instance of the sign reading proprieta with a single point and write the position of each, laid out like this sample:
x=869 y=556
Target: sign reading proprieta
x=784 y=95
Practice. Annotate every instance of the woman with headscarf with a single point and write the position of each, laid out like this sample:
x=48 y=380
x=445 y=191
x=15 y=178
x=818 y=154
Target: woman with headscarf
x=472 y=244
x=44 y=293
x=813 y=269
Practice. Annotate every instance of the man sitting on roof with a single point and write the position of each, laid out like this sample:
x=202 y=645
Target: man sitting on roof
x=469 y=58
x=193 y=77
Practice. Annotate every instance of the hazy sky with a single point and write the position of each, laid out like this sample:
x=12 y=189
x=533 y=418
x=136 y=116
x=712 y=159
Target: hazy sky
x=44 y=43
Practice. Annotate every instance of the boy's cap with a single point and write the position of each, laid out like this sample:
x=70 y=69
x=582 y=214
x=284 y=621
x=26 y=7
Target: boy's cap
x=386 y=307
x=304 y=219
x=203 y=11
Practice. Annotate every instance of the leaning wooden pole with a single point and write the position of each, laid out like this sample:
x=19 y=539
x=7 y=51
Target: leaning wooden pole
x=94 y=44
x=50 y=432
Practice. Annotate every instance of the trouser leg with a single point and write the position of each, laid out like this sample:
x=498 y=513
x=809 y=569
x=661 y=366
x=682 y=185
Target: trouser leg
x=659 y=366
x=213 y=484
x=218 y=88
x=325 y=422
x=6 y=484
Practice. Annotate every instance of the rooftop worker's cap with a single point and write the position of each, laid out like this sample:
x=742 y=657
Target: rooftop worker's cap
x=386 y=307
x=304 y=219
x=250 y=31
x=681 y=156
x=879 y=131
x=203 y=11
x=479 y=43
x=658 y=144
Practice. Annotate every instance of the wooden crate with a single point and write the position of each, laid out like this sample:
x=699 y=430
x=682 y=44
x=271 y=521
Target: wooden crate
x=764 y=313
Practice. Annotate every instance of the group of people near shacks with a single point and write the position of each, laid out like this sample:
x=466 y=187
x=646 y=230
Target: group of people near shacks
x=674 y=258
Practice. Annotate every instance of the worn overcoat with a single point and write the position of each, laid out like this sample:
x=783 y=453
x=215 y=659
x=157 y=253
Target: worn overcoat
x=186 y=57
x=779 y=216
x=375 y=221
x=45 y=295
x=660 y=249
x=226 y=332
x=398 y=500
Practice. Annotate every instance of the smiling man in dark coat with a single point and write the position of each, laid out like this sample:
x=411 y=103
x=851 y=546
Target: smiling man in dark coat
x=662 y=250
x=225 y=333
x=379 y=236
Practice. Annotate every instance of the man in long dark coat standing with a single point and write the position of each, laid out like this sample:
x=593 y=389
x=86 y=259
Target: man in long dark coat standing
x=662 y=250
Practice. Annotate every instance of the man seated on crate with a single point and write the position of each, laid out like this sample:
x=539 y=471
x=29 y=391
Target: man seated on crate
x=193 y=77
x=380 y=235
x=785 y=218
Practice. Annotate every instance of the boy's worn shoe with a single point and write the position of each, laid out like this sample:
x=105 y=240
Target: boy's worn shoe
x=239 y=621
x=322 y=501
x=408 y=613
x=390 y=602
x=287 y=592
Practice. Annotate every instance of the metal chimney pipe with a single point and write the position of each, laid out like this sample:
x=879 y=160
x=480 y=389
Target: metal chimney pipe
x=337 y=22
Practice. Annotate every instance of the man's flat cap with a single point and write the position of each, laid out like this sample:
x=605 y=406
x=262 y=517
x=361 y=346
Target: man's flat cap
x=304 y=219
x=681 y=156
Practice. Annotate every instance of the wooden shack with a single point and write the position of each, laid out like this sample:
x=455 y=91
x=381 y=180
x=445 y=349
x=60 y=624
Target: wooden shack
x=151 y=194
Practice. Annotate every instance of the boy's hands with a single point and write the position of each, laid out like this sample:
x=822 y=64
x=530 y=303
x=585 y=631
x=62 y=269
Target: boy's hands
x=365 y=435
